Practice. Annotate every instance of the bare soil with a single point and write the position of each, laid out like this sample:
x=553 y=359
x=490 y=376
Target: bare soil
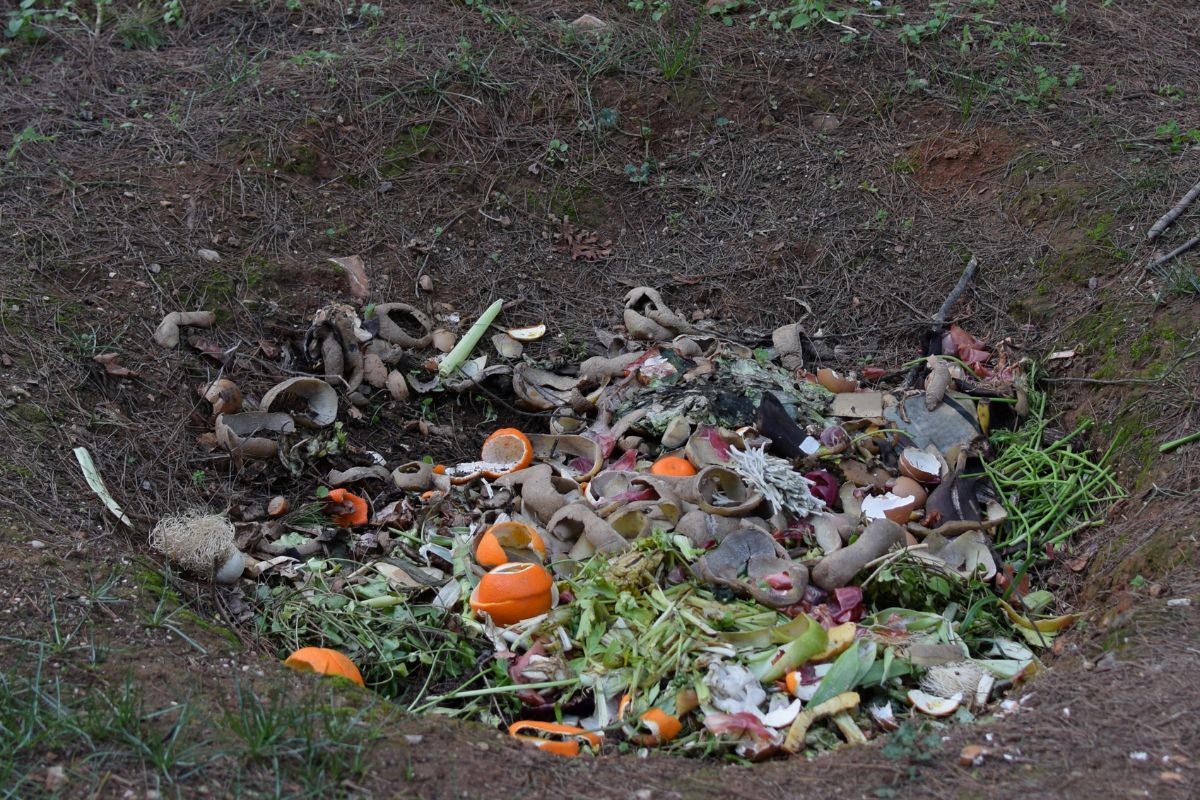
x=777 y=177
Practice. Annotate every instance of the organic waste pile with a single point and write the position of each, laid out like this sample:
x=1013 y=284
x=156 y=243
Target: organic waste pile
x=703 y=547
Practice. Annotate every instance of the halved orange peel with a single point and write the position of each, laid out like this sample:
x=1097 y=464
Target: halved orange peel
x=673 y=467
x=496 y=541
x=507 y=446
x=506 y=450
x=513 y=592
x=324 y=661
x=554 y=737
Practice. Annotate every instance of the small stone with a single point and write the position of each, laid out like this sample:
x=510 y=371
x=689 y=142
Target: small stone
x=1156 y=590
x=155 y=268
x=37 y=544
x=588 y=24
x=211 y=256
x=1171 y=777
x=56 y=776
x=426 y=283
x=824 y=123
x=1179 y=602
x=413 y=738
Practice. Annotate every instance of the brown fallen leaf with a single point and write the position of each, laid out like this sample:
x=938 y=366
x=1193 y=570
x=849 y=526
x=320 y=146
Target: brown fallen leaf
x=582 y=244
x=269 y=349
x=210 y=349
x=109 y=362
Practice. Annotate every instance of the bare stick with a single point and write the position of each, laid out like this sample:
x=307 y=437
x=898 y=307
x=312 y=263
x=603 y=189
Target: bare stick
x=1169 y=217
x=939 y=319
x=1183 y=248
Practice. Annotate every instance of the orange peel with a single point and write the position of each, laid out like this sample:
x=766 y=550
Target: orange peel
x=513 y=592
x=512 y=535
x=673 y=467
x=506 y=446
x=324 y=661
x=358 y=516
x=554 y=737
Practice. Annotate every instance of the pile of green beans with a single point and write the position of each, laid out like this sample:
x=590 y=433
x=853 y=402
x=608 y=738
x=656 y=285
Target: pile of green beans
x=1050 y=490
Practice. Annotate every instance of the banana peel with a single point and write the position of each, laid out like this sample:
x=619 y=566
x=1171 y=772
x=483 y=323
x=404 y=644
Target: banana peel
x=777 y=662
x=1041 y=631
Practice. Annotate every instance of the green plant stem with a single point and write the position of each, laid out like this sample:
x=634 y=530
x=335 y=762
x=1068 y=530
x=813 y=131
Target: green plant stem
x=491 y=690
x=1167 y=447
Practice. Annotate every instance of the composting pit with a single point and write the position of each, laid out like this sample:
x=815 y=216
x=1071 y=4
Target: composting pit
x=686 y=542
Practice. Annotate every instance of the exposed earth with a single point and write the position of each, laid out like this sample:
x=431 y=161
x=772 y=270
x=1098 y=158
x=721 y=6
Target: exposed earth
x=840 y=173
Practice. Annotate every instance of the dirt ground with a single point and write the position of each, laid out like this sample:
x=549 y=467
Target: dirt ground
x=757 y=177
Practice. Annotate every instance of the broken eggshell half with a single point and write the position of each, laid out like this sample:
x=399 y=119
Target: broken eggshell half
x=888 y=506
x=921 y=465
x=835 y=381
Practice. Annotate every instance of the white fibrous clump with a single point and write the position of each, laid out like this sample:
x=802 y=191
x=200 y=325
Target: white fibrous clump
x=199 y=542
x=947 y=680
x=773 y=477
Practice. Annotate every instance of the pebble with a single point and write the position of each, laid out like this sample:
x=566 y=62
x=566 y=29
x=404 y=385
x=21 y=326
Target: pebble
x=37 y=544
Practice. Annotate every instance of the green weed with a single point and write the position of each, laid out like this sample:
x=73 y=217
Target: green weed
x=675 y=56
x=1177 y=136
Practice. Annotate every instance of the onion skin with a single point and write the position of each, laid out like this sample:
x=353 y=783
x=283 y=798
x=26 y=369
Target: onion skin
x=825 y=486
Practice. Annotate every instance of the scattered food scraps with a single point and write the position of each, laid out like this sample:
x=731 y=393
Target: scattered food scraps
x=707 y=550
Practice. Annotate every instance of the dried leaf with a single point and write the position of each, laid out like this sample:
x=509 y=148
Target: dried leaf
x=582 y=244
x=210 y=349
x=109 y=361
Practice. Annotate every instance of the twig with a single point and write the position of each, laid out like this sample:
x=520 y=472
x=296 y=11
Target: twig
x=939 y=319
x=1169 y=217
x=1183 y=248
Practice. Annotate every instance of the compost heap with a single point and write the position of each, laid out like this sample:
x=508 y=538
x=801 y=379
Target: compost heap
x=705 y=547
